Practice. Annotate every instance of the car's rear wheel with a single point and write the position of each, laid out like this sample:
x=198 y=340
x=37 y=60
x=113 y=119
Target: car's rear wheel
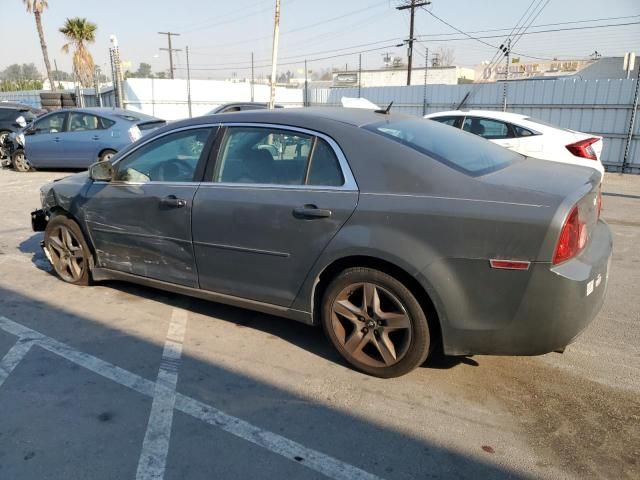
x=106 y=155
x=19 y=162
x=68 y=250
x=375 y=322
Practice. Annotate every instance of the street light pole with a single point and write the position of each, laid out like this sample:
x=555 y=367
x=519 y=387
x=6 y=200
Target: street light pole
x=274 y=55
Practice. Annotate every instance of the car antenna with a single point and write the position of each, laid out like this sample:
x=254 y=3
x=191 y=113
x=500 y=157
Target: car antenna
x=386 y=110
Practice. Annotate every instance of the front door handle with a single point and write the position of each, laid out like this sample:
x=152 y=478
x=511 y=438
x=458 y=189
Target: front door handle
x=311 y=212
x=56 y=139
x=171 y=201
x=95 y=137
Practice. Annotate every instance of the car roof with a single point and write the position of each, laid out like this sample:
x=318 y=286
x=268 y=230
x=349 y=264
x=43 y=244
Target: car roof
x=111 y=111
x=356 y=117
x=507 y=116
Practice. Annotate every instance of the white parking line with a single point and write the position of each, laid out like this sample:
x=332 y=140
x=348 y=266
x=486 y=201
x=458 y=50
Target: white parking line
x=294 y=451
x=13 y=357
x=155 y=447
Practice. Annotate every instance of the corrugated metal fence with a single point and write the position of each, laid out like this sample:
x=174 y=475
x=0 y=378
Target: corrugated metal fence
x=600 y=107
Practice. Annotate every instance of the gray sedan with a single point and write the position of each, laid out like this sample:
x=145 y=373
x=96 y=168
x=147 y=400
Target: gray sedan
x=77 y=137
x=393 y=233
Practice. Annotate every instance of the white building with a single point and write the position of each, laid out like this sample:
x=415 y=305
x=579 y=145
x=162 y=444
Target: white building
x=393 y=77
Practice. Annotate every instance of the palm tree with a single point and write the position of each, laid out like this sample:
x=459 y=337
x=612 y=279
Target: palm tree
x=37 y=7
x=79 y=32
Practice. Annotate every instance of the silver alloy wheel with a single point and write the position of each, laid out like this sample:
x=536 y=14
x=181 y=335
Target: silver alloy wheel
x=20 y=162
x=66 y=254
x=371 y=324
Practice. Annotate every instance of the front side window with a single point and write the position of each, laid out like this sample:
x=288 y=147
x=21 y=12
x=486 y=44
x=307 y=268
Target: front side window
x=171 y=158
x=450 y=146
x=277 y=157
x=487 y=128
x=80 y=122
x=51 y=124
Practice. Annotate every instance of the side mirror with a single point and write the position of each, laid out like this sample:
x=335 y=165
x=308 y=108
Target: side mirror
x=101 y=171
x=21 y=122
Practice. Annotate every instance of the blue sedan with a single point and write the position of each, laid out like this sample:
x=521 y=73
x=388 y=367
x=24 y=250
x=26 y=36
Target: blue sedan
x=76 y=138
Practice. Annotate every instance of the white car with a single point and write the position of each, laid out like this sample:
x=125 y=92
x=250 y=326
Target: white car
x=528 y=136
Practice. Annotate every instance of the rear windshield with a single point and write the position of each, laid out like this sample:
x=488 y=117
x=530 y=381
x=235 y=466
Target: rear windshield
x=464 y=152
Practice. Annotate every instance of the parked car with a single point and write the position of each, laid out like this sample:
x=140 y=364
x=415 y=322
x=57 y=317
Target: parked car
x=528 y=136
x=9 y=114
x=240 y=106
x=391 y=232
x=77 y=137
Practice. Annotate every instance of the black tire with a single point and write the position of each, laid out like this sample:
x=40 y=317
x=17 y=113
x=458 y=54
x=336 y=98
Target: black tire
x=64 y=253
x=106 y=155
x=51 y=103
x=374 y=330
x=69 y=96
x=50 y=96
x=68 y=103
x=19 y=162
x=3 y=136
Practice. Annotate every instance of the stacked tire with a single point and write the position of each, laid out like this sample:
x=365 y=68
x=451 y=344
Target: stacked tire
x=68 y=100
x=57 y=100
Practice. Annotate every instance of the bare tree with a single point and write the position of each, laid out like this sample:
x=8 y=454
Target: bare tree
x=445 y=56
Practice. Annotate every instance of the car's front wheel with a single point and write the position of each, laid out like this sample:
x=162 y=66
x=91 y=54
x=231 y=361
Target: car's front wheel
x=67 y=250
x=19 y=162
x=375 y=322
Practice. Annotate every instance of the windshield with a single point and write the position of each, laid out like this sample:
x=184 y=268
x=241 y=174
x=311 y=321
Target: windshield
x=464 y=152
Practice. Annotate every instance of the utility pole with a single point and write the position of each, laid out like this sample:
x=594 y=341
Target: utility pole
x=116 y=72
x=252 y=78
x=274 y=55
x=359 y=73
x=188 y=82
x=306 y=91
x=424 y=92
x=413 y=4
x=170 y=50
x=507 y=54
x=632 y=122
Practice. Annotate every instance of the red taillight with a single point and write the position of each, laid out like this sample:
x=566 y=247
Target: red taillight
x=583 y=148
x=573 y=238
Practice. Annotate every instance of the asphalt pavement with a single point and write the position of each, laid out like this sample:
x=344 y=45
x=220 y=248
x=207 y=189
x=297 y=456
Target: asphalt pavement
x=116 y=381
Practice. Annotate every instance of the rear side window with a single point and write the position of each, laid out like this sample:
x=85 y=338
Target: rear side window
x=270 y=156
x=106 y=123
x=452 y=121
x=466 y=153
x=487 y=128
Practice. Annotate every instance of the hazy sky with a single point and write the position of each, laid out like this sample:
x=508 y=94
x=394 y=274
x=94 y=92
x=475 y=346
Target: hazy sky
x=222 y=34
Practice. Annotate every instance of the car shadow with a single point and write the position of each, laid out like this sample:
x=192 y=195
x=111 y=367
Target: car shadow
x=32 y=247
x=374 y=446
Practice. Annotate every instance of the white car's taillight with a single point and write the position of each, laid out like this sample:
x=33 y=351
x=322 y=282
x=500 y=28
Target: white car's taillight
x=134 y=134
x=584 y=149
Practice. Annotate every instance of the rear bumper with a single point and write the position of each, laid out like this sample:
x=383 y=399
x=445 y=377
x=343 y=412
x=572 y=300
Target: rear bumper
x=558 y=303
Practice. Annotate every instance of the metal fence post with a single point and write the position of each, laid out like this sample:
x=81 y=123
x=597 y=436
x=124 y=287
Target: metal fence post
x=632 y=121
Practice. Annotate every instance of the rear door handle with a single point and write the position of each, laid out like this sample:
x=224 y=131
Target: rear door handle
x=172 y=201
x=56 y=139
x=95 y=137
x=311 y=212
